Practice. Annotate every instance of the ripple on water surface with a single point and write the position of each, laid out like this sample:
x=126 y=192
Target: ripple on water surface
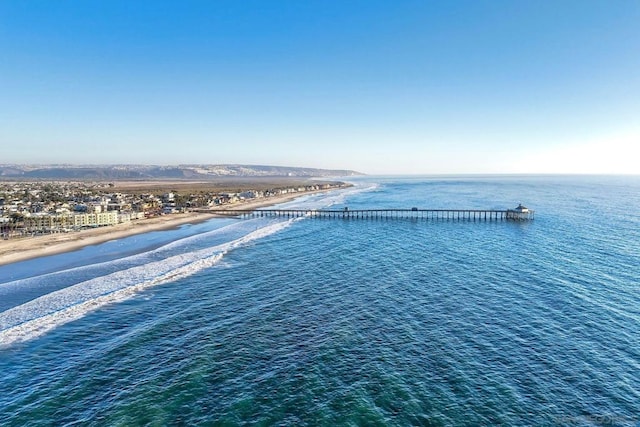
x=362 y=323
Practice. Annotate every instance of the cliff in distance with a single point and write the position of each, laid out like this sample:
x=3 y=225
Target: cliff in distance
x=150 y=172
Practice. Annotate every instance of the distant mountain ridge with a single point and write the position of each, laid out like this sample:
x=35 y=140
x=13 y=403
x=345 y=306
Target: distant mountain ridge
x=140 y=172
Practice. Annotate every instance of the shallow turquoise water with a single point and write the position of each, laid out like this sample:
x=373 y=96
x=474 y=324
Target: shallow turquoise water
x=349 y=322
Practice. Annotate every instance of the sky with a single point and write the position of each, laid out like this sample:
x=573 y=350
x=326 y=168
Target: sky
x=381 y=87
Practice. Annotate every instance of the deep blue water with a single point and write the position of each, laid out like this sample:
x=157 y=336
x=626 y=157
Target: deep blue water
x=343 y=322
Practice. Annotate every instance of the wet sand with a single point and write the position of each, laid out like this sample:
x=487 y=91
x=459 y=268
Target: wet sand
x=21 y=249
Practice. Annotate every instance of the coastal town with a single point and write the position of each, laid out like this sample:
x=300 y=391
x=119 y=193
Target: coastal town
x=47 y=207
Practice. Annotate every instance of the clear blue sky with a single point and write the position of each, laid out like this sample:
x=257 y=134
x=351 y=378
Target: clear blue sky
x=376 y=86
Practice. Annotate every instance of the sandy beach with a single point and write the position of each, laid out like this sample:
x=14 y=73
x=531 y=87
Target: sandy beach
x=21 y=249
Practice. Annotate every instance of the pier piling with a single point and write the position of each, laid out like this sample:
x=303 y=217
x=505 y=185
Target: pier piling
x=518 y=214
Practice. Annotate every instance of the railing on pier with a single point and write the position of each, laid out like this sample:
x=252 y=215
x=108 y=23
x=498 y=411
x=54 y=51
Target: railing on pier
x=423 y=214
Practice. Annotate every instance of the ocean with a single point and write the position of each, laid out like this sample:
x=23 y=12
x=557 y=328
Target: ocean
x=298 y=321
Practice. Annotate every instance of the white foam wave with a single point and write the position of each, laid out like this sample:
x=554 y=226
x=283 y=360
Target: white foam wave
x=333 y=199
x=121 y=263
x=42 y=314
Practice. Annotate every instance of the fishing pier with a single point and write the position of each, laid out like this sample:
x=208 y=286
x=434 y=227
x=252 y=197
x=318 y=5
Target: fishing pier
x=520 y=213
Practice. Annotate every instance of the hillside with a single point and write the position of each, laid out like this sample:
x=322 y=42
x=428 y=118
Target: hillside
x=145 y=172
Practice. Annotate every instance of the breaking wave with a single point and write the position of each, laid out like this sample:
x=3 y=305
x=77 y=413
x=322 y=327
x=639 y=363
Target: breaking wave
x=38 y=316
x=70 y=294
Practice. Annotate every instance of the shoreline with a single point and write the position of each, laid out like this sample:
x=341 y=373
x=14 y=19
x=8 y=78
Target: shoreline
x=23 y=249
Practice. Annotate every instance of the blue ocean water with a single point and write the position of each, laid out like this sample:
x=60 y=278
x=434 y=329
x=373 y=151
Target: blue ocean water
x=343 y=322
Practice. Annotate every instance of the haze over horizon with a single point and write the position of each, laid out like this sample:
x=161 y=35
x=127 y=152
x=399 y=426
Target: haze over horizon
x=379 y=87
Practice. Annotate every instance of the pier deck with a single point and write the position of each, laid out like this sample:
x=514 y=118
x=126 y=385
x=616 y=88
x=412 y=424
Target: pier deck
x=414 y=213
